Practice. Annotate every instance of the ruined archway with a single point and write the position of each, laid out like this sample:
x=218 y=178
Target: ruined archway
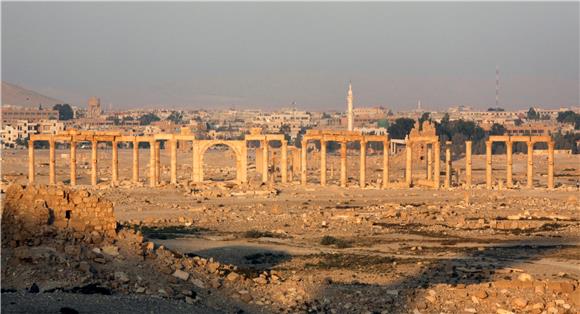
x=219 y=163
x=238 y=148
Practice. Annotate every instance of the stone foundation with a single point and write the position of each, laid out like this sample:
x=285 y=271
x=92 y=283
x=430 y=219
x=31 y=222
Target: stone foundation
x=31 y=213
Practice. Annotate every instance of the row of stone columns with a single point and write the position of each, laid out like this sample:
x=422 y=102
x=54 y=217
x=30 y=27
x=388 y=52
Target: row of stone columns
x=154 y=170
x=263 y=161
x=343 y=164
x=509 y=164
x=155 y=163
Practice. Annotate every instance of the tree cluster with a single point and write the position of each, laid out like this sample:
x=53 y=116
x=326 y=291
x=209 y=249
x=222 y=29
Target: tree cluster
x=146 y=119
x=401 y=128
x=569 y=117
x=65 y=111
x=176 y=117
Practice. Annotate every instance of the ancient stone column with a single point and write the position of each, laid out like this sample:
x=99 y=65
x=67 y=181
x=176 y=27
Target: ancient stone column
x=488 y=165
x=135 y=161
x=238 y=169
x=296 y=163
x=94 y=157
x=303 y=163
x=468 y=146
x=73 y=163
x=284 y=162
x=550 y=165
x=152 y=164
x=332 y=170
x=429 y=162
x=437 y=170
x=173 y=146
x=243 y=177
x=51 y=162
x=448 y=164
x=509 y=160
x=31 y=161
x=530 y=164
x=363 y=164
x=157 y=162
x=323 y=163
x=343 y=176
x=196 y=166
x=386 y=145
x=115 y=164
x=273 y=171
x=265 y=161
x=259 y=158
x=408 y=163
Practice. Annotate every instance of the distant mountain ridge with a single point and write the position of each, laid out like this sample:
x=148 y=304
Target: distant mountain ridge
x=18 y=96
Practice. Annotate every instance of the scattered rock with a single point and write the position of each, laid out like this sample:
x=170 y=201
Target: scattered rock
x=121 y=277
x=180 y=274
x=110 y=250
x=233 y=276
x=525 y=277
x=519 y=303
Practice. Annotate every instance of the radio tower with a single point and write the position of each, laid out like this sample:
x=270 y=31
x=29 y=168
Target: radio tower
x=497 y=86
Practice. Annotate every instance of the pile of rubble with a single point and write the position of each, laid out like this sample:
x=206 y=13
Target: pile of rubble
x=65 y=240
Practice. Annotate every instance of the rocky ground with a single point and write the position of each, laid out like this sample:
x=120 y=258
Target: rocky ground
x=266 y=248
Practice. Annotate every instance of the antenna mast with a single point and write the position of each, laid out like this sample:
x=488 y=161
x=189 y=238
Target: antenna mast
x=497 y=86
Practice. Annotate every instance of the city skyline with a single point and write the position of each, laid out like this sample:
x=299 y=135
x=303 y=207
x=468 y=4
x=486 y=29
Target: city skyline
x=442 y=54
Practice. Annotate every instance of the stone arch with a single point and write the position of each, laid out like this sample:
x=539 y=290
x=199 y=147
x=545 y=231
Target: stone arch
x=238 y=147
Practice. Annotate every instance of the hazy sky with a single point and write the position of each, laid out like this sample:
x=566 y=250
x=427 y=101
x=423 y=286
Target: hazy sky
x=268 y=55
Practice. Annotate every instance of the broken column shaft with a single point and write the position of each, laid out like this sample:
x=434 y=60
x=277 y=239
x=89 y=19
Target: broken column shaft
x=343 y=175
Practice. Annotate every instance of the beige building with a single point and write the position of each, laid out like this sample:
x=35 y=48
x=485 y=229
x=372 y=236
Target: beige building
x=21 y=130
x=16 y=130
x=49 y=127
x=94 y=108
x=30 y=114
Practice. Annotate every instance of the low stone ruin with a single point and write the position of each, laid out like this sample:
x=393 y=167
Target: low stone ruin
x=32 y=213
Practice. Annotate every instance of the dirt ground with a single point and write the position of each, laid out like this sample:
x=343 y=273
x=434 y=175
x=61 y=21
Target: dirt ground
x=348 y=250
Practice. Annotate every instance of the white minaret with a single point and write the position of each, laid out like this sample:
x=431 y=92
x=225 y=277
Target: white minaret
x=349 y=107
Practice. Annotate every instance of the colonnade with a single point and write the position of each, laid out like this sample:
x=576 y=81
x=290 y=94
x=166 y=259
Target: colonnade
x=299 y=157
x=509 y=141
x=263 y=153
x=343 y=138
x=154 y=142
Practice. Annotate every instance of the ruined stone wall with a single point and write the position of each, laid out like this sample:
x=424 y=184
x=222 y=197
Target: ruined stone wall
x=31 y=213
